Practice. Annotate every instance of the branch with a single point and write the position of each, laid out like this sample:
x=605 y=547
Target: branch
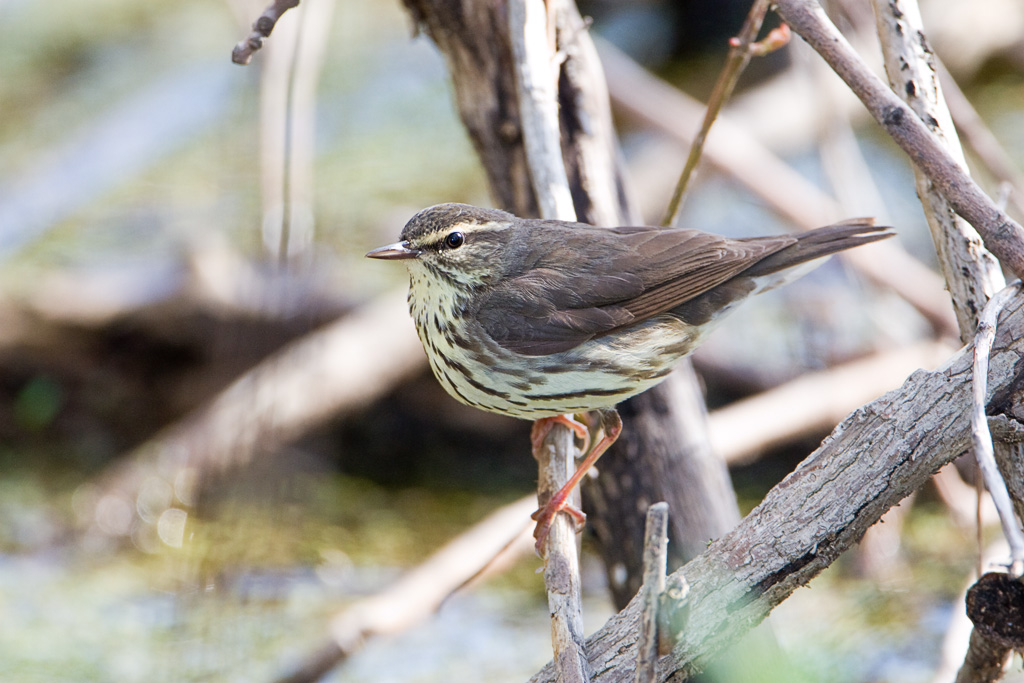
x=420 y=592
x=531 y=33
x=280 y=399
x=1003 y=236
x=261 y=28
x=981 y=140
x=972 y=275
x=982 y=439
x=880 y=454
x=740 y=53
x=812 y=403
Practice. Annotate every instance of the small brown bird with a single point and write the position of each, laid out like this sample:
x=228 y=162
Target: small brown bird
x=542 y=319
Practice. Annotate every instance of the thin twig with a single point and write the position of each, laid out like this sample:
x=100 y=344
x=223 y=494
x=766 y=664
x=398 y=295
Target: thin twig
x=655 y=565
x=740 y=52
x=536 y=82
x=1003 y=236
x=981 y=140
x=983 y=450
x=261 y=28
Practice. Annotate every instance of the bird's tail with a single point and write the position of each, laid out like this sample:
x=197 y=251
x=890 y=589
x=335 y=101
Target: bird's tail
x=816 y=244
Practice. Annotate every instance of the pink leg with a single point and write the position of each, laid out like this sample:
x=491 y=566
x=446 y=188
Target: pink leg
x=559 y=502
x=543 y=426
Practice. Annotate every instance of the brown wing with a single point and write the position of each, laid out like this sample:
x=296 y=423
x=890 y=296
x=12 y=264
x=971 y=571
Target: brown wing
x=576 y=289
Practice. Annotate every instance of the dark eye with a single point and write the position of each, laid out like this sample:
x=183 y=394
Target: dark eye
x=454 y=240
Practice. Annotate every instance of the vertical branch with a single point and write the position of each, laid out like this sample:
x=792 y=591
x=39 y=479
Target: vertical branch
x=972 y=274
x=536 y=82
x=275 y=80
x=982 y=439
x=315 y=21
x=655 y=565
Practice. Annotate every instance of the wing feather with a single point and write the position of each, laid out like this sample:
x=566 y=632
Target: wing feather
x=611 y=279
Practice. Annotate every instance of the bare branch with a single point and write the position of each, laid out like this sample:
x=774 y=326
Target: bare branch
x=875 y=458
x=261 y=28
x=421 y=591
x=813 y=403
x=531 y=34
x=971 y=274
x=1003 y=236
x=655 y=563
x=740 y=52
x=983 y=450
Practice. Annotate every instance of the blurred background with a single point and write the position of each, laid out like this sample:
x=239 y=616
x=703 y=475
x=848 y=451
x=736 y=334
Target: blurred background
x=178 y=233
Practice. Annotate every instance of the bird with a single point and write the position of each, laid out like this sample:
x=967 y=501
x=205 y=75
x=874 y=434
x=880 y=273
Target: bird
x=544 y=320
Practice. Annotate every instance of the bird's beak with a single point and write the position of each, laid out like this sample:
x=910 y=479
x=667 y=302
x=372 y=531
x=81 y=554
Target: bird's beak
x=393 y=252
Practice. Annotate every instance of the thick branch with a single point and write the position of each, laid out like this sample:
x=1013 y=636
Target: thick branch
x=972 y=275
x=1003 y=236
x=875 y=458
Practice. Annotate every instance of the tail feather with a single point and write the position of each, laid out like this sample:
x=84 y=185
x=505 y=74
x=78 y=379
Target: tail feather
x=816 y=244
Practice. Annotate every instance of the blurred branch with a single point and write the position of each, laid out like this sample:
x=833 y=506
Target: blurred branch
x=489 y=546
x=876 y=457
x=288 y=84
x=743 y=157
x=980 y=139
x=813 y=403
x=1003 y=236
x=261 y=28
x=300 y=387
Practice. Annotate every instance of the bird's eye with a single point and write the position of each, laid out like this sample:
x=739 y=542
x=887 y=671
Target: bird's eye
x=454 y=240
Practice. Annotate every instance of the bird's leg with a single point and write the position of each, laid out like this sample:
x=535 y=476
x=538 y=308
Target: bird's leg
x=543 y=426
x=611 y=425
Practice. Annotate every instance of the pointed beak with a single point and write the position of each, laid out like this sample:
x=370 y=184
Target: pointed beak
x=394 y=252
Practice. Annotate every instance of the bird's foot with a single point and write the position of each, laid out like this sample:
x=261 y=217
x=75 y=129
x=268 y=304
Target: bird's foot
x=546 y=515
x=543 y=426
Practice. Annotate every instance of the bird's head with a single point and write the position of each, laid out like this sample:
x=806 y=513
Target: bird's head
x=459 y=244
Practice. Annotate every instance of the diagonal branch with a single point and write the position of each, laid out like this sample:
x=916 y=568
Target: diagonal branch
x=1003 y=236
x=875 y=458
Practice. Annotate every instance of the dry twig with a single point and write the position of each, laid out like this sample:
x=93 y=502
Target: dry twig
x=261 y=28
x=531 y=31
x=982 y=439
x=971 y=274
x=740 y=52
x=655 y=563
